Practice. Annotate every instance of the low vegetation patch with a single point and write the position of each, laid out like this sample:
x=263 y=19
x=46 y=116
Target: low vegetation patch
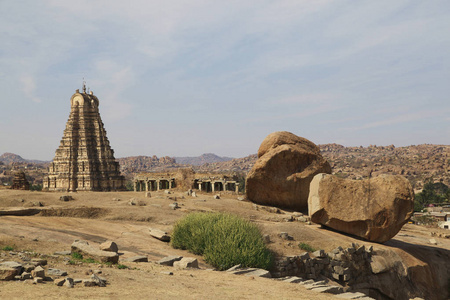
x=225 y=240
x=8 y=248
x=77 y=257
x=306 y=247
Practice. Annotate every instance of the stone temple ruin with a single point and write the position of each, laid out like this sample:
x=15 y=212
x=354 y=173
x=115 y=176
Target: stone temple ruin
x=20 y=182
x=202 y=182
x=84 y=160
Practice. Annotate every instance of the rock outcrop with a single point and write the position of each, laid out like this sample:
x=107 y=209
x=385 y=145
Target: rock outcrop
x=285 y=167
x=374 y=209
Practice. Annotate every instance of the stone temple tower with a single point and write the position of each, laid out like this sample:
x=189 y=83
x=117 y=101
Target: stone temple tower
x=84 y=160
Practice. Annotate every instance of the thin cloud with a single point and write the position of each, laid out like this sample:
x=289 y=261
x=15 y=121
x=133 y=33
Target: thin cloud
x=29 y=87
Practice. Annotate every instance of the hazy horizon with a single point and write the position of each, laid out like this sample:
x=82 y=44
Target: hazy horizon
x=183 y=78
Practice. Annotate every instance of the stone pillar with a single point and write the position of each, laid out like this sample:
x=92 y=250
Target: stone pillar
x=212 y=186
x=157 y=185
x=237 y=187
x=135 y=185
x=200 y=186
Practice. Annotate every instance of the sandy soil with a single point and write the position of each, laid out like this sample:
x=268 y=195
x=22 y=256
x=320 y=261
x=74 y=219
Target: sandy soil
x=97 y=217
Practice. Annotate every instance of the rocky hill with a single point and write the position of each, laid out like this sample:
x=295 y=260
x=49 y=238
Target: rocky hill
x=205 y=158
x=131 y=165
x=8 y=158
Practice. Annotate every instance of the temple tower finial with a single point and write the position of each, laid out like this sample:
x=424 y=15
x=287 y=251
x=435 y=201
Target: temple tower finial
x=84 y=86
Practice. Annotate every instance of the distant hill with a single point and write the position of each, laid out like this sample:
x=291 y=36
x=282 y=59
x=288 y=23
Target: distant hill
x=11 y=157
x=8 y=158
x=200 y=160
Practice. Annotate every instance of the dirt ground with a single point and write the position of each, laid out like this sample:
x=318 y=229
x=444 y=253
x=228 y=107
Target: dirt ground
x=100 y=216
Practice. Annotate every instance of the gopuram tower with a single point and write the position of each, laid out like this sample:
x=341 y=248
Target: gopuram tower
x=84 y=160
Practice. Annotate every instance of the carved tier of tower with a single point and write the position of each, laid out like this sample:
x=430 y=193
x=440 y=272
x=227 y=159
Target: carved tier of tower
x=84 y=160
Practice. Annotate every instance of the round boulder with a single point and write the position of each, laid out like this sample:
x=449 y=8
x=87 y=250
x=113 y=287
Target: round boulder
x=285 y=167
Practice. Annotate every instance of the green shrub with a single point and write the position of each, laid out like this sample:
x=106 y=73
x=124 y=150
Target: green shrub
x=306 y=247
x=76 y=255
x=224 y=240
x=8 y=248
x=122 y=267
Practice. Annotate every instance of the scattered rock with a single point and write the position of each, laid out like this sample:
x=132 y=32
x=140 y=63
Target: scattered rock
x=194 y=194
x=65 y=198
x=7 y=273
x=166 y=273
x=26 y=275
x=433 y=242
x=285 y=236
x=159 y=234
x=174 y=206
x=59 y=281
x=69 y=282
x=38 y=262
x=140 y=258
x=186 y=262
x=56 y=272
x=266 y=238
x=167 y=192
x=62 y=253
x=89 y=282
x=374 y=209
x=87 y=250
x=148 y=195
x=38 y=272
x=38 y=279
x=216 y=196
x=241 y=198
x=100 y=281
x=12 y=264
x=285 y=167
x=169 y=260
x=109 y=246
x=259 y=273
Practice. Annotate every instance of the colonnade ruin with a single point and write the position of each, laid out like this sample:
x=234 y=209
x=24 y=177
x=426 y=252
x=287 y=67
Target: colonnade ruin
x=202 y=182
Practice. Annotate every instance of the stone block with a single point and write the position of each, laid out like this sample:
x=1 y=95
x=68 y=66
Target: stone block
x=38 y=272
x=259 y=273
x=7 y=273
x=59 y=281
x=186 y=262
x=89 y=251
x=109 y=246
x=169 y=260
x=140 y=258
x=159 y=234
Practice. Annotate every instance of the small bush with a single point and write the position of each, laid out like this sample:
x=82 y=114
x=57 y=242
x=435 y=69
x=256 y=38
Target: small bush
x=224 y=240
x=306 y=247
x=122 y=267
x=8 y=248
x=76 y=255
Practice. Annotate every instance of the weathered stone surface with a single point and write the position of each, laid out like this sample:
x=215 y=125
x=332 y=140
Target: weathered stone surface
x=7 y=273
x=89 y=282
x=285 y=167
x=89 y=251
x=100 y=281
x=109 y=246
x=12 y=264
x=56 y=272
x=374 y=209
x=186 y=262
x=260 y=273
x=38 y=280
x=69 y=282
x=159 y=234
x=140 y=258
x=59 y=281
x=39 y=262
x=38 y=272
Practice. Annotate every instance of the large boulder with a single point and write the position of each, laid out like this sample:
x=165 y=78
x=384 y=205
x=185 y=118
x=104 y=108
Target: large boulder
x=374 y=209
x=285 y=167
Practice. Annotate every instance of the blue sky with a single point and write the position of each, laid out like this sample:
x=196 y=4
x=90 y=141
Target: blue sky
x=182 y=78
